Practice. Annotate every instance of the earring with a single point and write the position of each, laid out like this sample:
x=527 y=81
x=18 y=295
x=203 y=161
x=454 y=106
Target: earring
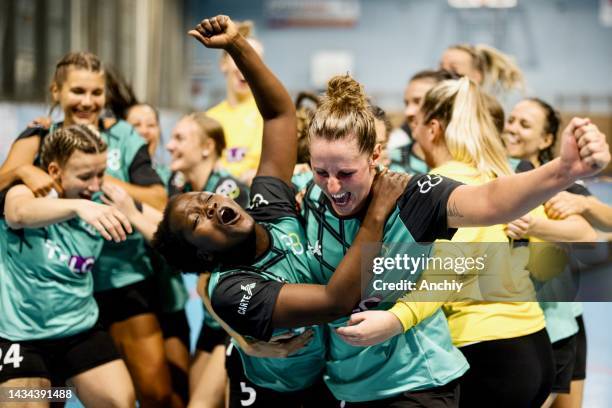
x=205 y=153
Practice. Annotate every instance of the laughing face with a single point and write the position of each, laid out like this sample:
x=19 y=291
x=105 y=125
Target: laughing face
x=81 y=96
x=343 y=172
x=524 y=135
x=82 y=174
x=211 y=222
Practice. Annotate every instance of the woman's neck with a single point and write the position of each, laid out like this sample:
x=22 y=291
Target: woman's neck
x=440 y=155
x=262 y=240
x=233 y=98
x=199 y=174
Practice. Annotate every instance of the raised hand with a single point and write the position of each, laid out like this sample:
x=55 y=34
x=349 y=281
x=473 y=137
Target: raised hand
x=109 y=221
x=215 y=32
x=584 y=150
x=38 y=181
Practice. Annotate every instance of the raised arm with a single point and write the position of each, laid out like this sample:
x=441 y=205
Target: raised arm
x=23 y=210
x=279 y=145
x=18 y=167
x=584 y=152
x=279 y=305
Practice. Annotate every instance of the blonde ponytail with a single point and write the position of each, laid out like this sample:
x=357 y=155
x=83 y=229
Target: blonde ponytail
x=469 y=131
x=500 y=70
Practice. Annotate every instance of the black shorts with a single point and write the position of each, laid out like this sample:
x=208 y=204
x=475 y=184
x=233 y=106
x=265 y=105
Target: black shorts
x=244 y=393
x=210 y=338
x=515 y=372
x=581 y=352
x=564 y=352
x=445 y=396
x=58 y=359
x=119 y=304
x=175 y=324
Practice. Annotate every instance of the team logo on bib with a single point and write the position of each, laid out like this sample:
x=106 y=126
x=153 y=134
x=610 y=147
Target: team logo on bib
x=257 y=201
x=246 y=298
x=292 y=240
x=114 y=159
x=228 y=188
x=428 y=182
x=236 y=154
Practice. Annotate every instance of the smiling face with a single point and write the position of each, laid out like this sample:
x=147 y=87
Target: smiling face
x=235 y=81
x=81 y=96
x=82 y=174
x=185 y=146
x=343 y=172
x=210 y=222
x=524 y=135
x=413 y=96
x=144 y=120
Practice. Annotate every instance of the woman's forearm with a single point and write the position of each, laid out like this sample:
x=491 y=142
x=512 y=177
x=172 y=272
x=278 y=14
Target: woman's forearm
x=505 y=198
x=23 y=210
x=572 y=229
x=598 y=214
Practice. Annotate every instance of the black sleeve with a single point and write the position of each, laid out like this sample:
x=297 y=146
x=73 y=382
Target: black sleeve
x=524 y=165
x=141 y=169
x=578 y=189
x=423 y=207
x=34 y=131
x=272 y=198
x=245 y=301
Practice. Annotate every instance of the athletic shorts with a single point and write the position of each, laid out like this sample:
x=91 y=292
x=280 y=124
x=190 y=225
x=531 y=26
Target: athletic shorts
x=119 y=304
x=445 y=396
x=498 y=372
x=175 y=324
x=244 y=393
x=581 y=352
x=57 y=359
x=564 y=353
x=210 y=338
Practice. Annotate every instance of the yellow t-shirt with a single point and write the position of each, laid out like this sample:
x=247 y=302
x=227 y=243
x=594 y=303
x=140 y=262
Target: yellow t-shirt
x=243 y=129
x=472 y=322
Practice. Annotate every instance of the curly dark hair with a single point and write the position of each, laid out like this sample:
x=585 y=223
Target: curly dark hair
x=176 y=250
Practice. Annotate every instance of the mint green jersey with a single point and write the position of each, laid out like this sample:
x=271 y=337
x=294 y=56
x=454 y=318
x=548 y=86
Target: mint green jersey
x=172 y=290
x=423 y=357
x=46 y=283
x=560 y=320
x=248 y=300
x=127 y=262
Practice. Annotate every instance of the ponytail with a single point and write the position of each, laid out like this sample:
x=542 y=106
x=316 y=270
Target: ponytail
x=469 y=130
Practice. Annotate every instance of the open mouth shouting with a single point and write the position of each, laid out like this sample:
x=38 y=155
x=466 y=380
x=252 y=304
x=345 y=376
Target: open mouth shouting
x=341 y=199
x=227 y=215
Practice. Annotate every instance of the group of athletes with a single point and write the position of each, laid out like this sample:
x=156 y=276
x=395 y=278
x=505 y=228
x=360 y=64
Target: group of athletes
x=92 y=248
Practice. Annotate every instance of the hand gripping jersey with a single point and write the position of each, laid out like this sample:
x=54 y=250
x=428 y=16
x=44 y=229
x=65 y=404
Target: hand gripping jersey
x=423 y=357
x=123 y=263
x=244 y=297
x=46 y=283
